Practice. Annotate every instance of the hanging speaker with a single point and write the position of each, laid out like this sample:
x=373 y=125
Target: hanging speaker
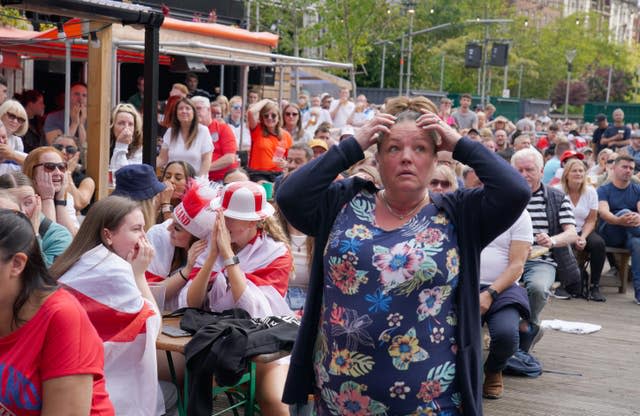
x=473 y=55
x=499 y=54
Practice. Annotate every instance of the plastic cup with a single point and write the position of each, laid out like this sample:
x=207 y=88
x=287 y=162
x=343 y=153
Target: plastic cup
x=111 y=179
x=279 y=153
x=158 y=290
x=268 y=189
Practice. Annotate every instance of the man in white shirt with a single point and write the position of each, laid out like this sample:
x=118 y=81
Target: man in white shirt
x=341 y=109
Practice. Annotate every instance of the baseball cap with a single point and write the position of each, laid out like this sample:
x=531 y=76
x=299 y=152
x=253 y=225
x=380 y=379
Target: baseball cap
x=568 y=154
x=601 y=117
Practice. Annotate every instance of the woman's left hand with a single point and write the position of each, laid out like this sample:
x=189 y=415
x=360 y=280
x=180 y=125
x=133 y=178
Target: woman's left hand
x=223 y=237
x=61 y=194
x=140 y=257
x=448 y=135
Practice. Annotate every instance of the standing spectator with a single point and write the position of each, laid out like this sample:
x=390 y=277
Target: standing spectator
x=191 y=81
x=315 y=117
x=633 y=149
x=187 y=139
x=252 y=97
x=126 y=137
x=464 y=117
x=616 y=135
x=619 y=207
x=444 y=111
x=47 y=169
x=361 y=113
x=54 y=123
x=33 y=103
x=269 y=141
x=292 y=122
x=554 y=163
x=601 y=127
x=51 y=356
x=326 y=100
x=137 y=99
x=79 y=185
x=341 y=108
x=14 y=118
x=224 y=157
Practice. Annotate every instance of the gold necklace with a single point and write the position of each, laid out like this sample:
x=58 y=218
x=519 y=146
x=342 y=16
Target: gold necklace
x=402 y=216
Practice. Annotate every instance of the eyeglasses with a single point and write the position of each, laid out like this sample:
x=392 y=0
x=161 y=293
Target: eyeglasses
x=50 y=166
x=437 y=182
x=14 y=117
x=272 y=116
x=70 y=150
x=291 y=114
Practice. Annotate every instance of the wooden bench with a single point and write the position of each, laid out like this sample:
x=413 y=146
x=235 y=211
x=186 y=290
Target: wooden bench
x=621 y=256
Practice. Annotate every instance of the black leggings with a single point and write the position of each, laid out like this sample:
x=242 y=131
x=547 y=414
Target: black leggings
x=596 y=249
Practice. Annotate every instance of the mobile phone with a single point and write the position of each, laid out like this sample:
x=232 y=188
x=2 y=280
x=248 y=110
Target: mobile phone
x=172 y=331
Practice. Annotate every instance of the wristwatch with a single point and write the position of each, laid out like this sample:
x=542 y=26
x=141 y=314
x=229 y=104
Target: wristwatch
x=493 y=293
x=60 y=202
x=232 y=261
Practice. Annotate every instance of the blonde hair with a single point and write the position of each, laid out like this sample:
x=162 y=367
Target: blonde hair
x=405 y=108
x=149 y=211
x=17 y=109
x=449 y=174
x=565 y=176
x=136 y=143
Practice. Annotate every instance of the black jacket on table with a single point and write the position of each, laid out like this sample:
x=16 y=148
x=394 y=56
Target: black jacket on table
x=311 y=200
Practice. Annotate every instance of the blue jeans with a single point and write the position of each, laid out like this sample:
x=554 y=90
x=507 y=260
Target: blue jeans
x=629 y=237
x=505 y=337
x=296 y=296
x=538 y=277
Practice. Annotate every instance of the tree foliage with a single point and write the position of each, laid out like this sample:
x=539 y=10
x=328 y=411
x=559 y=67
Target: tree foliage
x=578 y=93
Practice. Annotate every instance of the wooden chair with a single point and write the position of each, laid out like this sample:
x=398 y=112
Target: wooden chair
x=622 y=256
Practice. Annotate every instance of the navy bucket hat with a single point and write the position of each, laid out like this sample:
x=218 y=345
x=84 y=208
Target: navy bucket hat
x=137 y=182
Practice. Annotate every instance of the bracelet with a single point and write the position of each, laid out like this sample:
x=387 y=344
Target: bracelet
x=182 y=275
x=166 y=209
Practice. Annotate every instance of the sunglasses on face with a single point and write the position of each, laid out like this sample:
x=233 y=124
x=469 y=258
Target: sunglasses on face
x=70 y=150
x=236 y=107
x=14 y=117
x=611 y=161
x=291 y=114
x=272 y=116
x=437 y=182
x=50 y=166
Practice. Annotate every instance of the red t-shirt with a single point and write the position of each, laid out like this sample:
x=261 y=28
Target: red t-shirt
x=263 y=148
x=58 y=341
x=224 y=142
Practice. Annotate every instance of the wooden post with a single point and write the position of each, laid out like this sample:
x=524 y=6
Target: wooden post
x=99 y=107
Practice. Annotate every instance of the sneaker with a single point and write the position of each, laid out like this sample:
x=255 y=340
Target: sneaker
x=561 y=293
x=595 y=295
x=531 y=337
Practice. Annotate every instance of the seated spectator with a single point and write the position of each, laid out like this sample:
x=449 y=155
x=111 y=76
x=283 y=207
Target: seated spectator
x=522 y=141
x=178 y=176
x=54 y=238
x=126 y=137
x=361 y=113
x=187 y=139
x=248 y=267
x=292 y=122
x=235 y=175
x=470 y=178
x=54 y=123
x=47 y=169
x=139 y=183
x=8 y=155
x=104 y=268
x=179 y=90
x=137 y=99
x=553 y=164
x=79 y=185
x=618 y=206
x=224 y=156
x=238 y=125
x=504 y=303
x=269 y=141
x=47 y=341
x=633 y=149
x=179 y=241
x=443 y=179
x=318 y=146
x=584 y=201
x=33 y=103
x=224 y=106
x=15 y=121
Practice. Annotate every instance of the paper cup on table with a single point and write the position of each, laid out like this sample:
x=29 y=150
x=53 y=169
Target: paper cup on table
x=158 y=290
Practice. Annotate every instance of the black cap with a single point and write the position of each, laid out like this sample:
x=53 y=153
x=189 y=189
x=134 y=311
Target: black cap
x=601 y=117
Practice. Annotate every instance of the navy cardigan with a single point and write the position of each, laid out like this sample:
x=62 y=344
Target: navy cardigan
x=310 y=199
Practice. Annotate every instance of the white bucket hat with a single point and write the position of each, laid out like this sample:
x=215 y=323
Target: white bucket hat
x=194 y=213
x=245 y=200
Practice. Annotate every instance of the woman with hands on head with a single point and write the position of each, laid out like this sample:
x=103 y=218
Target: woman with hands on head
x=394 y=286
x=47 y=169
x=104 y=267
x=126 y=136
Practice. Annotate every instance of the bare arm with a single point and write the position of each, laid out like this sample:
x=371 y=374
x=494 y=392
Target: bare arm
x=253 y=113
x=567 y=237
x=67 y=396
x=205 y=165
x=223 y=162
x=606 y=215
x=162 y=158
x=51 y=136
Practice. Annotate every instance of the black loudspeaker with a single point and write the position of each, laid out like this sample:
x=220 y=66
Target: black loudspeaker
x=473 y=55
x=499 y=54
x=262 y=75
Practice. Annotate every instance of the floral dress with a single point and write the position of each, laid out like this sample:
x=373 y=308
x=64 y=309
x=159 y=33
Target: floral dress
x=386 y=342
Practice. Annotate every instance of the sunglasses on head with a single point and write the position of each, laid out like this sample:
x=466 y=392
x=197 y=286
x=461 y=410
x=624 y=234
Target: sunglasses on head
x=70 y=150
x=272 y=116
x=437 y=182
x=14 y=117
x=50 y=166
x=291 y=114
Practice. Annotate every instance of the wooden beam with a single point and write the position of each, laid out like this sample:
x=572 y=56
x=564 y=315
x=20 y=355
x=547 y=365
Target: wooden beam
x=99 y=108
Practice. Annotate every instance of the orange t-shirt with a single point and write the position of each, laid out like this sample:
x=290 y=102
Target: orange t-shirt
x=263 y=149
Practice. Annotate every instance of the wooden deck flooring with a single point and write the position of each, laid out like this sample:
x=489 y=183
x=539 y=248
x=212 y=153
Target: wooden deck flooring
x=589 y=375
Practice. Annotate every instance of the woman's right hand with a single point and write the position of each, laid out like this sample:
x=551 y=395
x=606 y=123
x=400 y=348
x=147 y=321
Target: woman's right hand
x=44 y=184
x=165 y=196
x=33 y=213
x=368 y=134
x=140 y=257
x=194 y=252
x=125 y=136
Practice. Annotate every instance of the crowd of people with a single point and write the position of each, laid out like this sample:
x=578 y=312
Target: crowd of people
x=354 y=218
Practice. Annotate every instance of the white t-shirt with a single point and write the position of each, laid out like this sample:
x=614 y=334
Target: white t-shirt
x=343 y=113
x=313 y=118
x=588 y=201
x=177 y=151
x=494 y=259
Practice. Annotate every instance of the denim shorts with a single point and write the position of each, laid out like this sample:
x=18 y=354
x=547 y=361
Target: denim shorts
x=296 y=297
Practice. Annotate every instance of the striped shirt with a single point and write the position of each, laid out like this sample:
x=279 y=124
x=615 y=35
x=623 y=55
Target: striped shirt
x=537 y=209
